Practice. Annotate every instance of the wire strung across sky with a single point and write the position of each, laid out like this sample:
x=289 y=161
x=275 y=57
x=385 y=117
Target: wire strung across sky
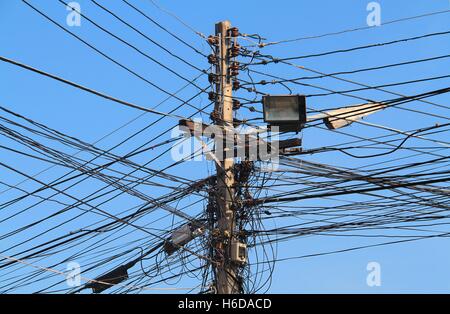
x=399 y=191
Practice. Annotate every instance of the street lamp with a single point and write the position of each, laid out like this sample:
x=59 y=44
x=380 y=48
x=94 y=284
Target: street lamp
x=288 y=112
x=342 y=117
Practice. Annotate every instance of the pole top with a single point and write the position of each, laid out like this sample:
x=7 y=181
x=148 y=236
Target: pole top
x=223 y=24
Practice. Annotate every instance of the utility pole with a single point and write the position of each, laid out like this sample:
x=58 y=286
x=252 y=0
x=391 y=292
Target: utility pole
x=225 y=270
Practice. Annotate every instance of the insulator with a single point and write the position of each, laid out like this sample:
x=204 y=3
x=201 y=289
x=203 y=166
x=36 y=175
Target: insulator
x=237 y=123
x=233 y=32
x=212 y=59
x=234 y=69
x=213 y=40
x=214 y=116
x=234 y=66
x=212 y=96
x=234 y=72
x=234 y=50
x=212 y=78
x=236 y=85
x=236 y=104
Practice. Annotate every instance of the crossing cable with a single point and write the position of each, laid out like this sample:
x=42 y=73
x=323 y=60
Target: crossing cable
x=353 y=191
x=134 y=152
x=125 y=156
x=72 y=142
x=354 y=29
x=105 y=136
x=360 y=84
x=445 y=234
x=163 y=28
x=13 y=259
x=115 y=218
x=158 y=204
x=387 y=142
x=112 y=60
x=413 y=134
x=321 y=54
x=344 y=72
x=89 y=90
x=390 y=103
x=383 y=90
x=121 y=192
x=427 y=79
x=137 y=151
x=178 y=19
x=321 y=75
x=143 y=256
x=103 y=29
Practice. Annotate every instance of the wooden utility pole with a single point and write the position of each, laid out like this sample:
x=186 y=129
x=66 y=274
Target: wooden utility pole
x=226 y=271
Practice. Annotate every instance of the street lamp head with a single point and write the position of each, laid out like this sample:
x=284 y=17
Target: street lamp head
x=288 y=112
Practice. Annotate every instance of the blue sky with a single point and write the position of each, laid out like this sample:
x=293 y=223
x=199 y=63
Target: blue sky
x=420 y=266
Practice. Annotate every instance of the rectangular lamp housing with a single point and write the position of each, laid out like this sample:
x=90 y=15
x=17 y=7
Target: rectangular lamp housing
x=288 y=112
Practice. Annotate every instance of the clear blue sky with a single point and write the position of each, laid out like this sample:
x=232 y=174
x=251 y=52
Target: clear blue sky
x=420 y=266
